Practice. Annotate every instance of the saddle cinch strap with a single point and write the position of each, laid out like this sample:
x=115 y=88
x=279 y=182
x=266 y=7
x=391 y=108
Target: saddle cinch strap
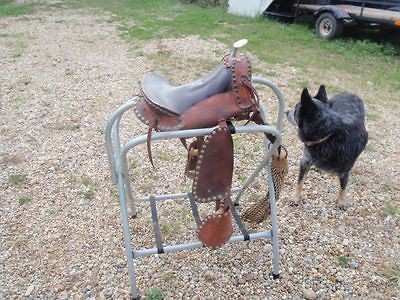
x=223 y=95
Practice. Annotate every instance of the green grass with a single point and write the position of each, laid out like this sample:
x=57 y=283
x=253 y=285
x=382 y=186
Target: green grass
x=9 y=8
x=16 y=179
x=390 y=210
x=69 y=72
x=17 y=44
x=88 y=194
x=16 y=102
x=67 y=126
x=275 y=43
x=392 y=273
x=170 y=229
x=390 y=185
x=344 y=261
x=87 y=185
x=24 y=200
x=354 y=59
x=373 y=117
x=154 y=294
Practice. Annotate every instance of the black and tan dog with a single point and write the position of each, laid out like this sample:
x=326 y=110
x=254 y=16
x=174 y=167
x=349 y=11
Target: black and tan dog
x=333 y=133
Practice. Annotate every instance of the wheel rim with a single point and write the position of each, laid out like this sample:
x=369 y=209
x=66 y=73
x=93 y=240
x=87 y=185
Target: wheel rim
x=325 y=27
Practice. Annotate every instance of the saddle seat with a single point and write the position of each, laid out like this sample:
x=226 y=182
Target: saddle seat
x=226 y=93
x=178 y=99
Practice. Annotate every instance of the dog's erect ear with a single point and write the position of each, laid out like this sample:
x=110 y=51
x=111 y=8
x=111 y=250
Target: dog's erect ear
x=307 y=104
x=306 y=98
x=321 y=95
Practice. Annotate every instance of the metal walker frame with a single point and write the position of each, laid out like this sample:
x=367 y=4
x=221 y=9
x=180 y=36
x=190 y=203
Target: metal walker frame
x=117 y=157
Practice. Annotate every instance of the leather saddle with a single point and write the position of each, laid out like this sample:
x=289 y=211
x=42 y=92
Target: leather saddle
x=226 y=94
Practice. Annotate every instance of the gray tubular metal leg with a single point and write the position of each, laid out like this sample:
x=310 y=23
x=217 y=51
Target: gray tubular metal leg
x=111 y=137
x=279 y=126
x=274 y=230
x=127 y=237
x=113 y=147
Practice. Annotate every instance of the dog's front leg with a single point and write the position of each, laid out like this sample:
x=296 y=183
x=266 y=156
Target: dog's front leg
x=343 y=178
x=305 y=164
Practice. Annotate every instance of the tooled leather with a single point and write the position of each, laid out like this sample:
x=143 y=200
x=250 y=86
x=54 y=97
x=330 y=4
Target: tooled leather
x=236 y=103
x=212 y=111
x=192 y=157
x=241 y=71
x=216 y=229
x=214 y=167
x=161 y=119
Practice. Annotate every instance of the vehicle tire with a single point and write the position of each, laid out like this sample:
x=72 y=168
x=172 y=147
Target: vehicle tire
x=328 y=27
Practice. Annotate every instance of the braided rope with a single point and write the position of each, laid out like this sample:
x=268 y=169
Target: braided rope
x=260 y=210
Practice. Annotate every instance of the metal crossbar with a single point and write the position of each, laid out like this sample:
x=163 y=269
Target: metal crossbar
x=117 y=157
x=245 y=236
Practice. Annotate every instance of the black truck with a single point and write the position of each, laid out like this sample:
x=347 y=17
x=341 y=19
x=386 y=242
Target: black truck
x=331 y=16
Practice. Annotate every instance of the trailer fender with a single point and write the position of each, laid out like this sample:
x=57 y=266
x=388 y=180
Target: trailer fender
x=334 y=10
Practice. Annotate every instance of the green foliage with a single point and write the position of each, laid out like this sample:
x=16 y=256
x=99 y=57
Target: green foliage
x=344 y=261
x=88 y=194
x=155 y=294
x=272 y=42
x=17 y=44
x=207 y=3
x=5 y=2
x=8 y=8
x=390 y=210
x=368 y=56
x=170 y=229
x=24 y=200
x=392 y=273
x=373 y=117
x=16 y=179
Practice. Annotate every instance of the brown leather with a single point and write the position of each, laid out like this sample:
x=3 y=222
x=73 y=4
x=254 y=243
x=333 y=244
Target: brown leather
x=239 y=101
x=214 y=167
x=216 y=229
x=213 y=110
x=193 y=155
x=211 y=159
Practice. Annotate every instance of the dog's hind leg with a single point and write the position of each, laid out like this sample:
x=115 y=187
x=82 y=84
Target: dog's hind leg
x=305 y=164
x=343 y=178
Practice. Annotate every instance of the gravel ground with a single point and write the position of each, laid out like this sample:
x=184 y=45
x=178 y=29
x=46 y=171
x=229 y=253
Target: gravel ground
x=62 y=73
